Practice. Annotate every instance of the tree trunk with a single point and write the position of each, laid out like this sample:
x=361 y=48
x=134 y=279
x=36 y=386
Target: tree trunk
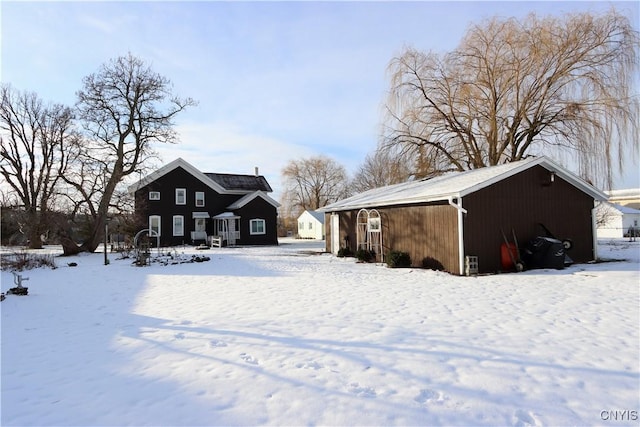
x=35 y=242
x=69 y=247
x=97 y=235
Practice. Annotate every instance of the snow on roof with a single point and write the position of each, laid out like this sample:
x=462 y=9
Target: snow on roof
x=624 y=209
x=317 y=215
x=454 y=185
x=627 y=193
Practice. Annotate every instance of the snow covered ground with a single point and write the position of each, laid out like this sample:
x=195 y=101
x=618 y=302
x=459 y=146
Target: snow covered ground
x=289 y=336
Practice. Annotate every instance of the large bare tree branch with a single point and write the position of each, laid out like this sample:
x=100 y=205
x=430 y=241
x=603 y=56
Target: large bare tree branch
x=125 y=108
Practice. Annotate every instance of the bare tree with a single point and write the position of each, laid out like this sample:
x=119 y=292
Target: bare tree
x=125 y=107
x=513 y=89
x=313 y=182
x=382 y=167
x=37 y=143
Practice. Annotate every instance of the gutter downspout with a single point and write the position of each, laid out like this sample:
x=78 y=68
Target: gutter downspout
x=594 y=230
x=461 y=211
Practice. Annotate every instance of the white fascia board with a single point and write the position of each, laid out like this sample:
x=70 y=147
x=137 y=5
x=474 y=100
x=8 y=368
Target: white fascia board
x=169 y=167
x=249 y=197
x=459 y=187
x=551 y=166
x=399 y=202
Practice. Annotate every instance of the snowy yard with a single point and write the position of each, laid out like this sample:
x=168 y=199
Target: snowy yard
x=288 y=336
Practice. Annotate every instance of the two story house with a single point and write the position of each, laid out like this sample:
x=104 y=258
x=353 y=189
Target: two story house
x=183 y=205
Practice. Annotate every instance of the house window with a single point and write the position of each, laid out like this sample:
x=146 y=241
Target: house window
x=154 y=195
x=154 y=225
x=199 y=199
x=181 y=196
x=178 y=225
x=374 y=224
x=300 y=225
x=310 y=226
x=257 y=226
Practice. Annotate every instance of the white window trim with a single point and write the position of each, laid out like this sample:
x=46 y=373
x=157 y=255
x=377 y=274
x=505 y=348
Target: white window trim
x=197 y=200
x=154 y=195
x=257 y=220
x=159 y=218
x=178 y=232
x=184 y=194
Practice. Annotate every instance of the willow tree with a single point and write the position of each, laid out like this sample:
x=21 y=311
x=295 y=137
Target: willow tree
x=124 y=108
x=511 y=89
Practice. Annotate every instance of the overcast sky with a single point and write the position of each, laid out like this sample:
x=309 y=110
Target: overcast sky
x=275 y=81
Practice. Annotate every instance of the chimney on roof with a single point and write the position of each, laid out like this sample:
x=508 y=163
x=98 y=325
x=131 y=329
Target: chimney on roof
x=256 y=170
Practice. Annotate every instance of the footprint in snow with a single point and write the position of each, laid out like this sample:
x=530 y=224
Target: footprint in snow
x=179 y=336
x=215 y=343
x=360 y=391
x=525 y=419
x=249 y=359
x=427 y=396
x=309 y=365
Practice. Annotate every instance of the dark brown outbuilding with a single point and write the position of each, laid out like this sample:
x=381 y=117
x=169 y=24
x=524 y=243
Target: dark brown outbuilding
x=442 y=221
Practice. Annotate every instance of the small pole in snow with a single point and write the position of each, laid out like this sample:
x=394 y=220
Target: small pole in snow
x=106 y=233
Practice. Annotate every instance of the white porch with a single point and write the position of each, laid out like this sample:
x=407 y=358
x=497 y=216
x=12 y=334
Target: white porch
x=226 y=229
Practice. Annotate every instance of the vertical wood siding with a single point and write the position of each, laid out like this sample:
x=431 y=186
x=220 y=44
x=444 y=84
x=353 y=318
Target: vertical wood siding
x=429 y=232
x=520 y=203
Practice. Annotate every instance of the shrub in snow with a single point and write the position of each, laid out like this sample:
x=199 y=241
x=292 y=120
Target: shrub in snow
x=365 y=255
x=432 y=264
x=20 y=261
x=345 y=252
x=398 y=259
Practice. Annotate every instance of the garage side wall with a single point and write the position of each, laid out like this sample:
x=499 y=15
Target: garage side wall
x=520 y=203
x=428 y=232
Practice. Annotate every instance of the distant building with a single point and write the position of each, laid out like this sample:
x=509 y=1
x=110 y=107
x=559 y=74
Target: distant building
x=311 y=225
x=629 y=197
x=615 y=220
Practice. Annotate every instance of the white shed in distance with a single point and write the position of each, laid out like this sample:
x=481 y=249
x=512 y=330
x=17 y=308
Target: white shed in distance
x=311 y=225
x=616 y=220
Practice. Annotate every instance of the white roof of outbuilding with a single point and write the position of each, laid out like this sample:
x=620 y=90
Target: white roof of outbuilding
x=624 y=209
x=455 y=185
x=319 y=216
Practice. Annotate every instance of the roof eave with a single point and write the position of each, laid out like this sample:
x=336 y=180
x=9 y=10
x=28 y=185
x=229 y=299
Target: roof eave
x=169 y=167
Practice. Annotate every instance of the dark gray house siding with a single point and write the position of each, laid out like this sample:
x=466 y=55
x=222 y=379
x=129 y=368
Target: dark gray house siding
x=215 y=202
x=258 y=209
